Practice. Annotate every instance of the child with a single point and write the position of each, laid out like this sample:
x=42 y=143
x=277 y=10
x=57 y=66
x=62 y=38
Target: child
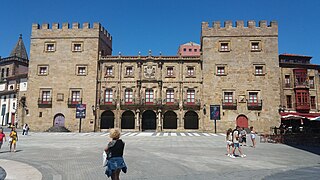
x=229 y=141
x=2 y=136
x=14 y=137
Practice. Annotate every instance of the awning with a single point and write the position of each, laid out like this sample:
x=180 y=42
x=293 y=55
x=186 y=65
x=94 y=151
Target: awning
x=297 y=115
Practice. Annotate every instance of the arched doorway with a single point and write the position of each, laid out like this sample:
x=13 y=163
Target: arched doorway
x=107 y=120
x=170 y=120
x=148 y=120
x=59 y=120
x=242 y=121
x=127 y=120
x=191 y=120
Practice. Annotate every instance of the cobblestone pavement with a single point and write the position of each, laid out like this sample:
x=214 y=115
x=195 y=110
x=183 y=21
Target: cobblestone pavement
x=160 y=156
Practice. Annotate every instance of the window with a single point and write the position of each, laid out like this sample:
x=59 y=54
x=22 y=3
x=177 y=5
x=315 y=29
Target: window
x=302 y=98
x=300 y=77
x=184 y=49
x=195 y=50
x=224 y=46
x=170 y=71
x=190 y=50
x=289 y=101
x=170 y=96
x=7 y=72
x=255 y=46
x=75 y=97
x=43 y=70
x=128 y=96
x=109 y=71
x=287 y=81
x=108 y=96
x=2 y=73
x=46 y=96
x=253 y=97
x=149 y=96
x=220 y=70
x=129 y=71
x=228 y=97
x=190 y=71
x=258 y=70
x=190 y=96
x=60 y=97
x=50 y=47
x=313 y=102
x=82 y=70
x=311 y=82
x=77 y=47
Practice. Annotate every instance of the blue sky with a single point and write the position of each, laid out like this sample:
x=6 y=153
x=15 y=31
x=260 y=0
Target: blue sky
x=162 y=25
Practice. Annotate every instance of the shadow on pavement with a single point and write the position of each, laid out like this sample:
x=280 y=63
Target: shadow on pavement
x=9 y=151
x=311 y=149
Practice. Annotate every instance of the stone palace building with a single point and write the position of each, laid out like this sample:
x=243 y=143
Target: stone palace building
x=235 y=69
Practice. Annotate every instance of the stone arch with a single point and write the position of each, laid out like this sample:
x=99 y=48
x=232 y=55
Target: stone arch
x=170 y=120
x=191 y=120
x=242 y=121
x=59 y=120
x=149 y=120
x=107 y=120
x=127 y=120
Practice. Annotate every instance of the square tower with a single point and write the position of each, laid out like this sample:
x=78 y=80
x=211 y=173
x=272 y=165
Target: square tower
x=241 y=69
x=63 y=73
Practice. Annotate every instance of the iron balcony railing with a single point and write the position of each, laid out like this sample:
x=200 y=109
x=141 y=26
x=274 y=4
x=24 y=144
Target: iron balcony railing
x=255 y=105
x=229 y=105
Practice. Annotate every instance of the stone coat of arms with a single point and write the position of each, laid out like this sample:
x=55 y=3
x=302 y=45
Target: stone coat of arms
x=149 y=71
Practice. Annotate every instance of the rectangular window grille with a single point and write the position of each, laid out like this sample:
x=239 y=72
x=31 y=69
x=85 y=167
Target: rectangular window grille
x=220 y=70
x=75 y=97
x=190 y=96
x=149 y=96
x=170 y=96
x=129 y=71
x=259 y=70
x=109 y=71
x=228 y=97
x=170 y=71
x=190 y=71
x=128 y=96
x=82 y=70
x=108 y=96
x=46 y=96
x=43 y=70
x=253 y=97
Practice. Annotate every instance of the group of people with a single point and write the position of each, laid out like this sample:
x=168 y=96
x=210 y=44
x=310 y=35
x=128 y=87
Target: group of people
x=13 y=138
x=237 y=136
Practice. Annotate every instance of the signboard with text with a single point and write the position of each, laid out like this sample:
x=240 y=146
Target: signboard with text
x=81 y=111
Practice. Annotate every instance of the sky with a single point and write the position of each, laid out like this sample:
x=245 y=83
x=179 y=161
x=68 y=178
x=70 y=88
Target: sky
x=162 y=25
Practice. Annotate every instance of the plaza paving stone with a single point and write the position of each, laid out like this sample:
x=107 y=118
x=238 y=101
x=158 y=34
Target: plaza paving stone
x=148 y=156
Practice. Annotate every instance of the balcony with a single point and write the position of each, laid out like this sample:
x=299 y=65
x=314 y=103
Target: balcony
x=108 y=105
x=128 y=103
x=72 y=103
x=229 y=105
x=191 y=105
x=303 y=107
x=171 y=105
x=302 y=85
x=45 y=102
x=255 y=105
x=154 y=102
x=287 y=85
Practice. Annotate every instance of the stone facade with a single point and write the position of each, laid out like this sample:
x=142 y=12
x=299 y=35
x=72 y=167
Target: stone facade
x=150 y=92
x=63 y=73
x=241 y=74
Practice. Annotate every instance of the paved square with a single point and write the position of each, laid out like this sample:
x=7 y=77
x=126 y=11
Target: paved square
x=151 y=155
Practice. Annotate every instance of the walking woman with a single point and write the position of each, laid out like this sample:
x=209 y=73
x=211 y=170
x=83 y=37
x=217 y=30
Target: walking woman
x=253 y=136
x=14 y=138
x=114 y=152
x=229 y=141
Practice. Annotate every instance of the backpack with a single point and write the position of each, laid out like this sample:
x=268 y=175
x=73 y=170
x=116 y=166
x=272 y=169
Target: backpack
x=233 y=135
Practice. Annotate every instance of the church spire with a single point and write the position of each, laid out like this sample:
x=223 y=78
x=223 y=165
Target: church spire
x=19 y=50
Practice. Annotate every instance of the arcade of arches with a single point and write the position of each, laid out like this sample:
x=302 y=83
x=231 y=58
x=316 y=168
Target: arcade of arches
x=148 y=120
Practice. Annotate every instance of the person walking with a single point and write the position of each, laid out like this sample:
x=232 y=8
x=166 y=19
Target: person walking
x=229 y=141
x=235 y=138
x=14 y=138
x=114 y=151
x=243 y=135
x=253 y=136
x=24 y=129
x=2 y=136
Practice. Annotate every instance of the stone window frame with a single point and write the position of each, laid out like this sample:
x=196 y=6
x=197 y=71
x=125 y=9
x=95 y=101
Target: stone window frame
x=255 y=66
x=40 y=66
x=125 y=71
x=78 y=66
x=48 y=44
x=221 y=66
x=45 y=90
x=112 y=71
x=224 y=42
x=71 y=90
x=259 y=49
x=187 y=71
x=173 y=72
x=255 y=92
x=74 y=44
x=60 y=96
x=233 y=96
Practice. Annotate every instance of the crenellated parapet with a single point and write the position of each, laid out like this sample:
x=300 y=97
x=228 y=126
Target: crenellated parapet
x=240 y=29
x=74 y=30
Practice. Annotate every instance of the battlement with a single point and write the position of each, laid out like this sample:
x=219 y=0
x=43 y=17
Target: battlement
x=238 y=28
x=72 y=27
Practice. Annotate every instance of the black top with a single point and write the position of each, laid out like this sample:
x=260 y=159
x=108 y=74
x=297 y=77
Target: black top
x=116 y=148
